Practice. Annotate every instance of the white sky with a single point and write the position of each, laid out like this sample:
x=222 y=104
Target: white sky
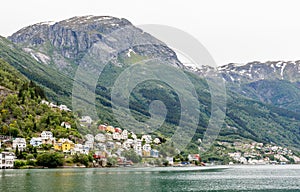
x=232 y=30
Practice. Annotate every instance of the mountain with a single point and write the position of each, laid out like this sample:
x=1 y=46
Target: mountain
x=51 y=54
x=255 y=71
x=65 y=43
x=272 y=82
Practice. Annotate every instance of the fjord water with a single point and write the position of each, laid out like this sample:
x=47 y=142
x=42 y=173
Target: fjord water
x=236 y=178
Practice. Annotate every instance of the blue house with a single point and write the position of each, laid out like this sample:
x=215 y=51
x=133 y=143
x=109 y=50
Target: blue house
x=154 y=153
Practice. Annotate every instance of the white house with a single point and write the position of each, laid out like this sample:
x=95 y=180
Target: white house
x=89 y=144
x=194 y=157
x=156 y=141
x=100 y=138
x=170 y=160
x=127 y=144
x=52 y=105
x=46 y=135
x=67 y=125
x=108 y=136
x=118 y=145
x=147 y=138
x=20 y=142
x=45 y=102
x=64 y=108
x=110 y=145
x=36 y=141
x=86 y=119
x=137 y=146
x=133 y=136
x=90 y=137
x=80 y=149
x=116 y=136
x=7 y=160
x=124 y=135
x=147 y=147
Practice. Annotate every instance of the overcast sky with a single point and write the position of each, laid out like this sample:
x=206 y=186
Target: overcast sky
x=236 y=31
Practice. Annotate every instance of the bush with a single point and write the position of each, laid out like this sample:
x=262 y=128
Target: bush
x=19 y=164
x=83 y=159
x=51 y=160
x=132 y=155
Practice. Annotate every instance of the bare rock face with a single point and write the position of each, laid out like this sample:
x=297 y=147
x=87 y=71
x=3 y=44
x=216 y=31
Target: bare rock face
x=68 y=41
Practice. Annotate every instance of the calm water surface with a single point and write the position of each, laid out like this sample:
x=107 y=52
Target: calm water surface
x=236 y=178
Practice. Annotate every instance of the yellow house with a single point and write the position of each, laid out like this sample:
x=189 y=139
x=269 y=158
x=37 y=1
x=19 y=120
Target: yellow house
x=110 y=129
x=146 y=153
x=64 y=145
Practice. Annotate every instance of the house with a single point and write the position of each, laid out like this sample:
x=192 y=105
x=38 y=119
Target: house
x=80 y=149
x=45 y=102
x=50 y=141
x=100 y=146
x=46 y=135
x=20 y=143
x=118 y=130
x=64 y=108
x=36 y=141
x=124 y=135
x=77 y=149
x=170 y=160
x=100 y=138
x=133 y=136
x=194 y=157
x=156 y=141
x=89 y=144
x=137 y=146
x=110 y=145
x=118 y=145
x=90 y=137
x=102 y=127
x=146 y=150
x=67 y=125
x=116 y=136
x=146 y=153
x=147 y=138
x=108 y=136
x=147 y=147
x=154 y=153
x=127 y=144
x=52 y=105
x=64 y=145
x=110 y=129
x=86 y=119
x=47 y=138
x=7 y=160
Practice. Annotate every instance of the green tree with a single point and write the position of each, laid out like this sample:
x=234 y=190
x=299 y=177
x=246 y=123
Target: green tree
x=51 y=160
x=132 y=155
x=83 y=159
x=112 y=161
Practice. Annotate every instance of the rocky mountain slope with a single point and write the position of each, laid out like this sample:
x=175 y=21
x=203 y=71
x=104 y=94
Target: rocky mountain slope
x=255 y=71
x=273 y=82
x=66 y=42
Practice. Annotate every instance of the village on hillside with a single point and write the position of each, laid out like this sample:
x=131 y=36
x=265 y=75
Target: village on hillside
x=114 y=146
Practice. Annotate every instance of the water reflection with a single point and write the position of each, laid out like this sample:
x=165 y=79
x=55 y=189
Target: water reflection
x=255 y=178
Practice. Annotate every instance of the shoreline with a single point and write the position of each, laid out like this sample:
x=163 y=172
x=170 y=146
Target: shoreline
x=208 y=167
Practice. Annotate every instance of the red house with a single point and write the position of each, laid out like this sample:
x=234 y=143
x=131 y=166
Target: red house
x=118 y=130
x=102 y=127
